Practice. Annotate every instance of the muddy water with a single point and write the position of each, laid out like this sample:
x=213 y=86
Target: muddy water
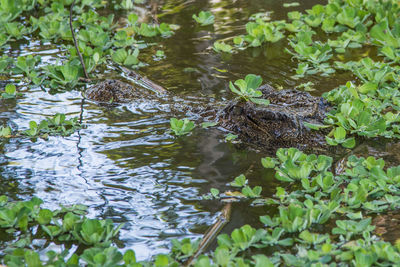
x=124 y=164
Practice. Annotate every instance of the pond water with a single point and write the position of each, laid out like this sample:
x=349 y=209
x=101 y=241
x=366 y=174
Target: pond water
x=124 y=164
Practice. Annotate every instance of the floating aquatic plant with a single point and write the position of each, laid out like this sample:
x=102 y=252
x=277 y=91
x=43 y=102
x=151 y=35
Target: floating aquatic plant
x=204 y=18
x=247 y=89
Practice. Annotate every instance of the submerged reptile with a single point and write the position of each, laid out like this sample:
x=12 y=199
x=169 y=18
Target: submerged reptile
x=279 y=124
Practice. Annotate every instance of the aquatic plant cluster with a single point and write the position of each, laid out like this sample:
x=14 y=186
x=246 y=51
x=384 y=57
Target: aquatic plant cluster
x=367 y=106
x=99 y=39
x=323 y=213
x=323 y=220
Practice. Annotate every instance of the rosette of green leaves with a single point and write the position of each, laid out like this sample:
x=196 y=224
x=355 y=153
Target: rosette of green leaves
x=126 y=57
x=204 y=18
x=65 y=75
x=95 y=232
x=181 y=127
x=10 y=91
x=220 y=46
x=247 y=89
x=57 y=125
x=5 y=131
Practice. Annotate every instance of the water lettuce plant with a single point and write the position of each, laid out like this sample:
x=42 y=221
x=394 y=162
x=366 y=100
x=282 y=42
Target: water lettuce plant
x=204 y=18
x=56 y=125
x=10 y=91
x=92 y=231
x=315 y=198
x=5 y=131
x=222 y=47
x=260 y=31
x=321 y=215
x=339 y=137
x=65 y=75
x=149 y=30
x=98 y=40
x=247 y=89
x=364 y=108
x=181 y=127
x=27 y=65
x=159 y=55
x=231 y=137
x=127 y=58
x=66 y=223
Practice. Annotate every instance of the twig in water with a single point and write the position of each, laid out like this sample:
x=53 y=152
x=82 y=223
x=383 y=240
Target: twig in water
x=154 y=7
x=75 y=43
x=212 y=233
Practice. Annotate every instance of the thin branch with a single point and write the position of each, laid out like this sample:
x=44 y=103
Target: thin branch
x=154 y=7
x=212 y=232
x=75 y=42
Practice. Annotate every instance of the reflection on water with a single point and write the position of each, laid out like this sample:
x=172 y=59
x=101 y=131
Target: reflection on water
x=124 y=164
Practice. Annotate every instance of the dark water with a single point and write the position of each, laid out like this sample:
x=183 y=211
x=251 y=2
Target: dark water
x=125 y=165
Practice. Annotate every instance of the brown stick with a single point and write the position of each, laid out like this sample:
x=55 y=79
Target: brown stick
x=154 y=7
x=75 y=43
x=212 y=232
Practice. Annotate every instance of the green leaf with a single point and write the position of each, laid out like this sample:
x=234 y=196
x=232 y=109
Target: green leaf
x=253 y=81
x=214 y=192
x=207 y=124
x=293 y=4
x=259 y=101
x=32 y=259
x=230 y=137
x=315 y=126
x=119 y=56
x=133 y=18
x=33 y=125
x=204 y=18
x=233 y=89
x=331 y=141
x=383 y=35
x=131 y=60
x=367 y=87
x=222 y=47
x=181 y=127
x=23 y=222
x=44 y=216
x=283 y=177
x=339 y=134
x=222 y=256
x=69 y=72
x=242 y=84
x=349 y=142
x=268 y=162
x=251 y=192
x=10 y=89
x=5 y=131
x=129 y=257
x=240 y=181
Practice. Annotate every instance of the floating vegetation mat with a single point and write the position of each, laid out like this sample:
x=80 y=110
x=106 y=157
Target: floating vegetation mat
x=323 y=210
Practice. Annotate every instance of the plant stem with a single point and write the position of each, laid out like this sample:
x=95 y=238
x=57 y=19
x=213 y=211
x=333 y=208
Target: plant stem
x=75 y=43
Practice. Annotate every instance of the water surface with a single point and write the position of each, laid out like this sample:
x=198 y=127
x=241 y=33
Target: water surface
x=125 y=164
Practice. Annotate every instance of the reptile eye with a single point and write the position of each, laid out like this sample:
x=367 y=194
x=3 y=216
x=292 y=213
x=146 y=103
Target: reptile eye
x=237 y=110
